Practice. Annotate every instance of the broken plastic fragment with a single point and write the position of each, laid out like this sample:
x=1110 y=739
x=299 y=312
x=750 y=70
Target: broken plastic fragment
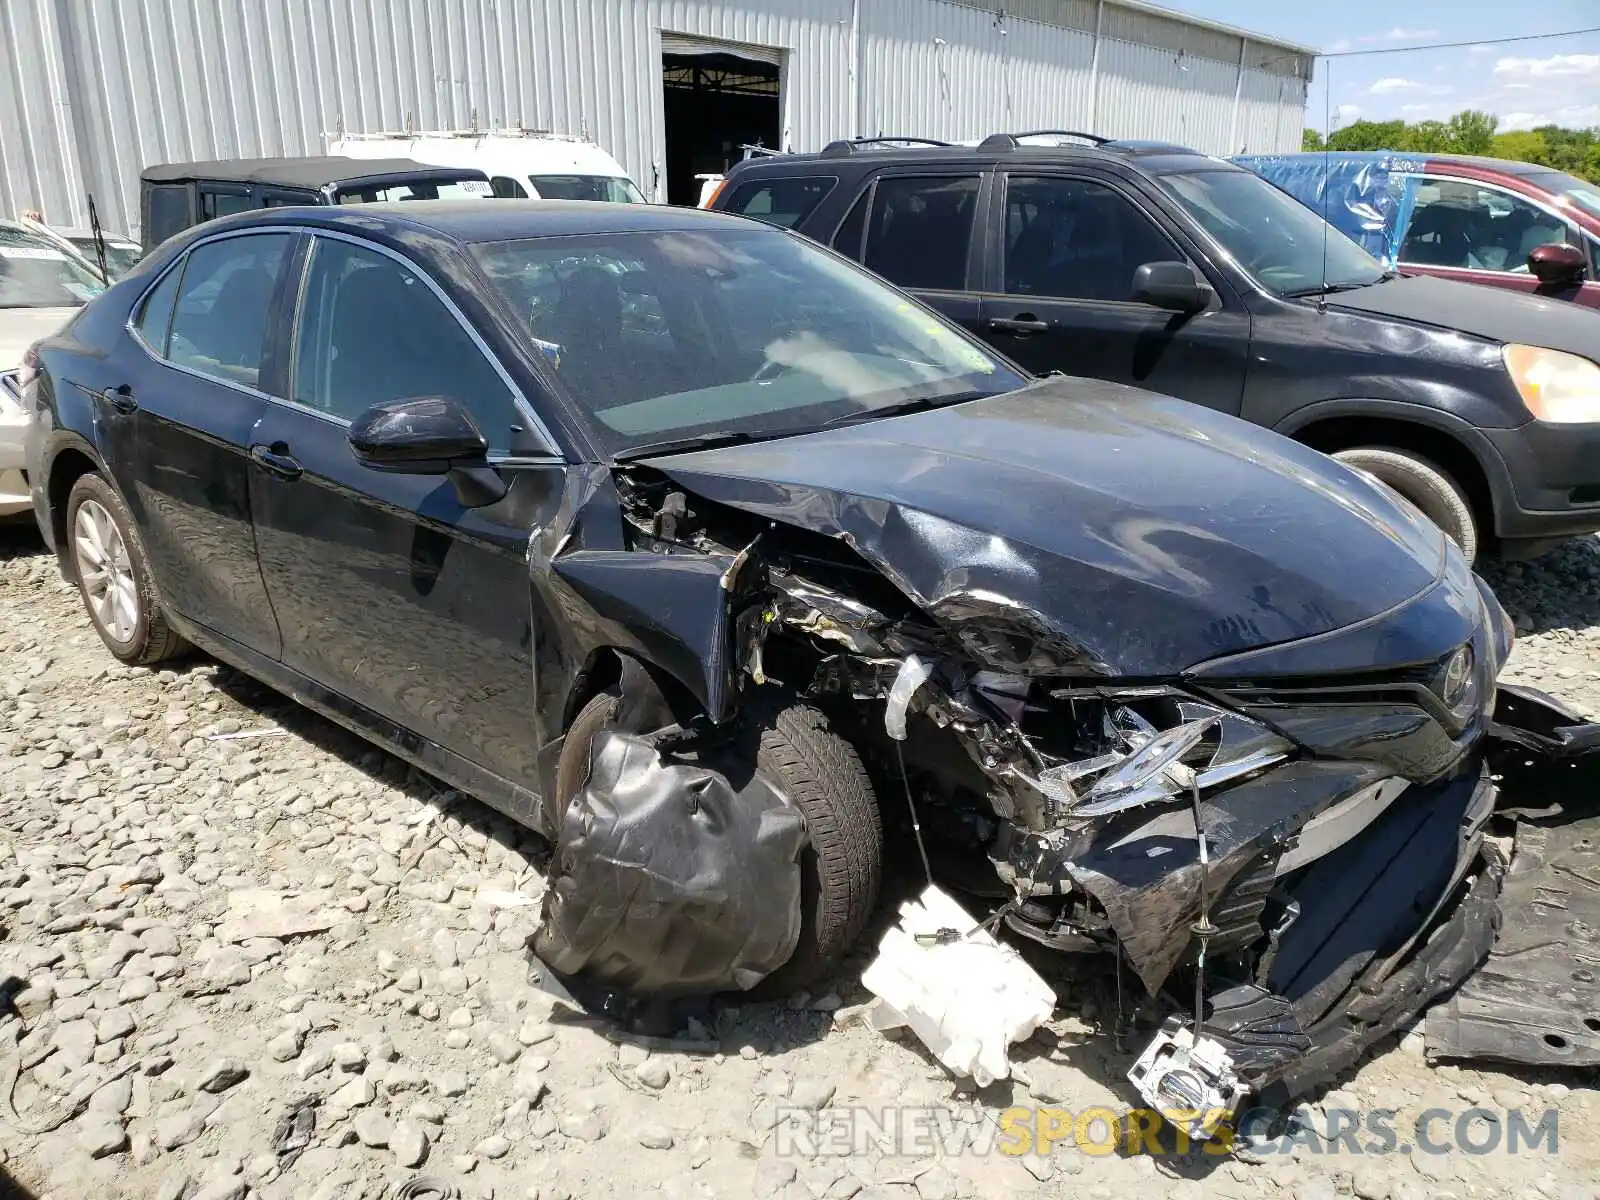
x=912 y=675
x=968 y=999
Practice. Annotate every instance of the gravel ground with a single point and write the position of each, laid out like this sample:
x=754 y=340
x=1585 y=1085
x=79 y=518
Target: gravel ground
x=203 y=930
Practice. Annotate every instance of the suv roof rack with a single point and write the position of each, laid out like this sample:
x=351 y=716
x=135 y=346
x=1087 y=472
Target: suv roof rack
x=851 y=145
x=1010 y=141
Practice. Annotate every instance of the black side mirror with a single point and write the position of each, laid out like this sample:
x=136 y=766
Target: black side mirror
x=1557 y=263
x=1174 y=285
x=432 y=435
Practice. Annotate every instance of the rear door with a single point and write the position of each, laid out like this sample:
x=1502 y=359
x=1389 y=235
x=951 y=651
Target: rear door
x=917 y=227
x=1063 y=251
x=177 y=419
x=1480 y=232
x=389 y=591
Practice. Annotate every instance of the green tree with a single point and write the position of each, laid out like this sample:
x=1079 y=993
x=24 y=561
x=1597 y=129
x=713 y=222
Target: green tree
x=1368 y=135
x=1425 y=137
x=1521 y=145
x=1471 y=132
x=1575 y=151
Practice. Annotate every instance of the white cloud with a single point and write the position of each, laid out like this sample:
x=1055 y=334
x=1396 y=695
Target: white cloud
x=1557 y=66
x=1395 y=86
x=1399 y=34
x=1513 y=121
x=1345 y=113
x=1338 y=47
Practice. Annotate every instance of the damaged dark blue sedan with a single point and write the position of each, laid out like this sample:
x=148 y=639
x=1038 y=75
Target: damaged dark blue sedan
x=710 y=557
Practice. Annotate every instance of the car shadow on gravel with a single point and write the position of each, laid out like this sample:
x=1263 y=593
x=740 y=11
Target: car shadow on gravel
x=1558 y=590
x=19 y=539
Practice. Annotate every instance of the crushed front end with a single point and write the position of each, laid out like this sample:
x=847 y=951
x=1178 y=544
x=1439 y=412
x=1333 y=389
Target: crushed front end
x=1294 y=852
x=1278 y=805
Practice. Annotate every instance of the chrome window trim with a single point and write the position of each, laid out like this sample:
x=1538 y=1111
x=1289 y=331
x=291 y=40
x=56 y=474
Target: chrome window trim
x=517 y=398
x=552 y=446
x=1573 y=232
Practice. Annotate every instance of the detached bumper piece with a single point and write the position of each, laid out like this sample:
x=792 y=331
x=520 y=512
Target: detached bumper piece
x=1537 y=998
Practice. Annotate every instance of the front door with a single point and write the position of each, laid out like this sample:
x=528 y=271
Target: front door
x=176 y=421
x=1477 y=232
x=1068 y=247
x=918 y=232
x=388 y=589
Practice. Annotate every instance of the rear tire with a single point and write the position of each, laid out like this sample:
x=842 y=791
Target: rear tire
x=1439 y=497
x=841 y=866
x=113 y=576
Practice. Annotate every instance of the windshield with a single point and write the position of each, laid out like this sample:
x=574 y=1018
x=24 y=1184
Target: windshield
x=120 y=256
x=35 y=274
x=661 y=336
x=614 y=189
x=1585 y=195
x=1284 y=245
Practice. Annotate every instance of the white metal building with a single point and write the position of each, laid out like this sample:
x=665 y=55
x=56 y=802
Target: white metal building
x=101 y=88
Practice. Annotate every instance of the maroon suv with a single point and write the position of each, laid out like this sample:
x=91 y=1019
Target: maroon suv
x=1482 y=220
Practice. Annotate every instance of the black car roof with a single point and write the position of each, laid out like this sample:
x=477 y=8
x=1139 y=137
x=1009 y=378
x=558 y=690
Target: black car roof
x=1157 y=157
x=301 y=172
x=492 y=220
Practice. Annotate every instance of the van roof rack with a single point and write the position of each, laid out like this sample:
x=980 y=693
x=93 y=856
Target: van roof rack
x=1010 y=141
x=851 y=145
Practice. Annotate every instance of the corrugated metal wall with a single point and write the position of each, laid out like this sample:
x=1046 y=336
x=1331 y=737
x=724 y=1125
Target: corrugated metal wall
x=100 y=88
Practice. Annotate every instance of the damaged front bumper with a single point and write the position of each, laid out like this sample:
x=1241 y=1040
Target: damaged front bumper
x=1484 y=889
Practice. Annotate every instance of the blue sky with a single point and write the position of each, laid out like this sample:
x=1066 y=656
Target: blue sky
x=1524 y=84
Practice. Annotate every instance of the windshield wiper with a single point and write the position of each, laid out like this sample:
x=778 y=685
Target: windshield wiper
x=693 y=441
x=1328 y=289
x=920 y=404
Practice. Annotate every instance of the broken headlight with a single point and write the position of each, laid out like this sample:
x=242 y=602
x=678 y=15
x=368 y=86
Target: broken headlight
x=1142 y=763
x=1457 y=683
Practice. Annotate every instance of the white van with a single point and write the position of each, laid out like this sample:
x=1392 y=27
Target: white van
x=519 y=163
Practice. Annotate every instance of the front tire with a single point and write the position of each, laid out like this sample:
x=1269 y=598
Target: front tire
x=113 y=575
x=1439 y=497
x=841 y=866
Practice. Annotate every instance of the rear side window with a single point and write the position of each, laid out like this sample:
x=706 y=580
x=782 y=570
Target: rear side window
x=919 y=231
x=223 y=204
x=155 y=315
x=506 y=188
x=219 y=327
x=169 y=212
x=784 y=202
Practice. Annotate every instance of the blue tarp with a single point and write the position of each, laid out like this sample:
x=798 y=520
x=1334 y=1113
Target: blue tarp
x=1366 y=196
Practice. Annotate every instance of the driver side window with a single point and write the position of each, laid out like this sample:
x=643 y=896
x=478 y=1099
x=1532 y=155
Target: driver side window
x=373 y=331
x=1078 y=240
x=1459 y=223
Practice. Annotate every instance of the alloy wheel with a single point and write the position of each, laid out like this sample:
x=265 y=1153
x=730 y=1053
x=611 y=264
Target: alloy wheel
x=107 y=574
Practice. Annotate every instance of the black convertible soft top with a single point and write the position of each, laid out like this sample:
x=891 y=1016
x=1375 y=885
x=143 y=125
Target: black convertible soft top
x=312 y=173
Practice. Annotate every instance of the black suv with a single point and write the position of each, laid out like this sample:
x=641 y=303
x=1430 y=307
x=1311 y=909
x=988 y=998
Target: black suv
x=1154 y=265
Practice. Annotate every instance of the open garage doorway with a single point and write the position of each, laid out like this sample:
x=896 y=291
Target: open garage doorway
x=716 y=99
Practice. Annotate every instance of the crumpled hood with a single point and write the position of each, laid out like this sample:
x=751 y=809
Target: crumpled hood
x=1129 y=534
x=22 y=327
x=1493 y=313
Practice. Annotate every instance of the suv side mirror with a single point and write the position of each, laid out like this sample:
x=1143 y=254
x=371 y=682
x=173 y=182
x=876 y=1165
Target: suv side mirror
x=1174 y=285
x=1558 y=263
x=431 y=435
